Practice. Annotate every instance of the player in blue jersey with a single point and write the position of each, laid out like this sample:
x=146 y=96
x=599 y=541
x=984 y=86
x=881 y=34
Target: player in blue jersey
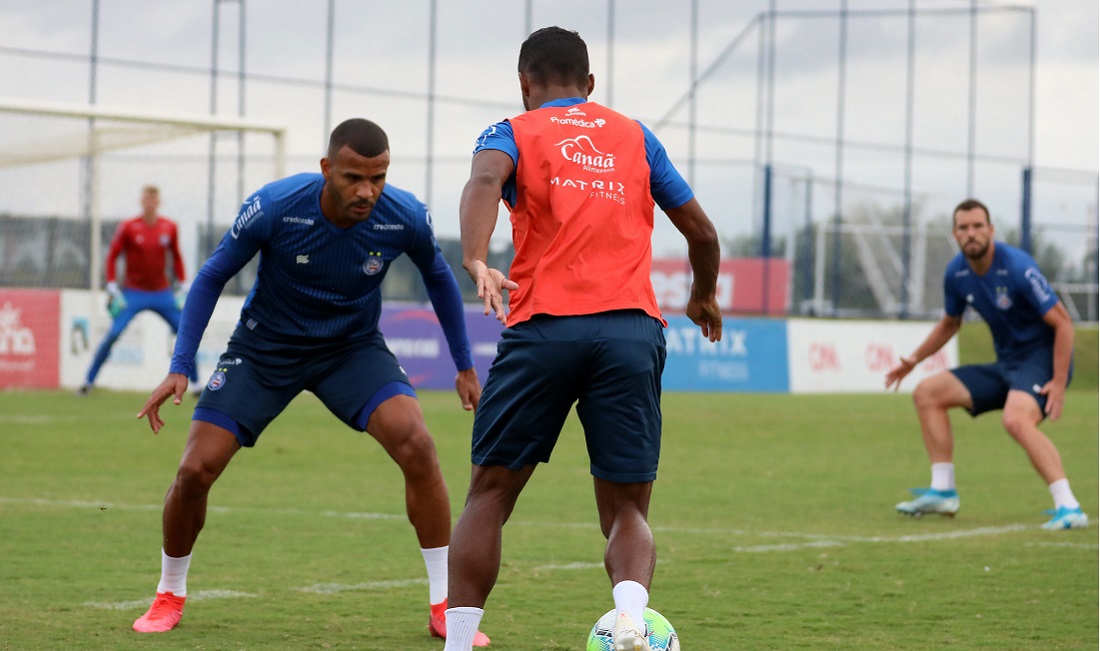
x=310 y=323
x=1033 y=339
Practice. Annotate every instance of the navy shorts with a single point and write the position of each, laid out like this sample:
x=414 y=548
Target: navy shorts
x=254 y=381
x=609 y=364
x=989 y=384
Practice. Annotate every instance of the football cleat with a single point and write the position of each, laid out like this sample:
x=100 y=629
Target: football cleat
x=627 y=637
x=163 y=615
x=437 y=624
x=1066 y=518
x=930 y=500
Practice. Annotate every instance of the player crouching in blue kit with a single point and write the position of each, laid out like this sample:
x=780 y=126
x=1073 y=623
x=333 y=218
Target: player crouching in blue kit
x=310 y=323
x=1033 y=337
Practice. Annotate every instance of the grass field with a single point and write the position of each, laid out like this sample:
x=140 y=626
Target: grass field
x=773 y=516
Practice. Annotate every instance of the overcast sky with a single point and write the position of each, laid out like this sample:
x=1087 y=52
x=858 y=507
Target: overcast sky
x=156 y=56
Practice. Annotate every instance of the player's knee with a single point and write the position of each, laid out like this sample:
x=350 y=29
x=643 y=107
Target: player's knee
x=194 y=478
x=415 y=452
x=1016 y=424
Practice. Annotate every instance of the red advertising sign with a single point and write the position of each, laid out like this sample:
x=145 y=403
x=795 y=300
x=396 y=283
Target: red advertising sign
x=741 y=284
x=29 y=338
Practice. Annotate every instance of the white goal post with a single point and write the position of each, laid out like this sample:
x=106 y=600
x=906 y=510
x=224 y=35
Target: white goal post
x=65 y=161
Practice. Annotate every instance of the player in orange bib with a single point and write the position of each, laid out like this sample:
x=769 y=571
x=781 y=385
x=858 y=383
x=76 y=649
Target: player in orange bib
x=583 y=327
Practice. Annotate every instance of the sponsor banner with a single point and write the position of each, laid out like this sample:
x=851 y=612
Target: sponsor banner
x=28 y=338
x=751 y=357
x=414 y=335
x=140 y=358
x=741 y=283
x=854 y=356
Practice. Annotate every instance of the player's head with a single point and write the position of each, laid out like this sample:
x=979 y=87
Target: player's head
x=553 y=56
x=150 y=199
x=972 y=229
x=354 y=170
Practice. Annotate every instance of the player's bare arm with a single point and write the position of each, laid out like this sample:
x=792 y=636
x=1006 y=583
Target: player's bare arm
x=469 y=388
x=704 y=255
x=940 y=335
x=478 y=216
x=1055 y=390
x=174 y=385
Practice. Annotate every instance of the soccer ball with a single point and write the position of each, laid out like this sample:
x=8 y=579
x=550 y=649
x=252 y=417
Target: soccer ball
x=662 y=637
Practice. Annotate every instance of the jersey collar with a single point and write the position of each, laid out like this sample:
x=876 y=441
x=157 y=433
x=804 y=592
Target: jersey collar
x=564 y=101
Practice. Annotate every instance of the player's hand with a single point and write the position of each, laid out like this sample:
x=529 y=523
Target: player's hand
x=469 y=388
x=707 y=315
x=1056 y=398
x=173 y=386
x=898 y=373
x=491 y=284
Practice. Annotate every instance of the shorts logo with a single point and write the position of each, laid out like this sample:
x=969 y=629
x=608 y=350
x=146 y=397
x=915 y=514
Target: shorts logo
x=217 y=381
x=373 y=264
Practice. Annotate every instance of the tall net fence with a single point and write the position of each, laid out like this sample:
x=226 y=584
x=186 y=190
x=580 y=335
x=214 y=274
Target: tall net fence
x=856 y=221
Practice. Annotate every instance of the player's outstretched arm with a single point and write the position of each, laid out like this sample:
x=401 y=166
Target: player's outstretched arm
x=468 y=387
x=174 y=385
x=940 y=335
x=477 y=213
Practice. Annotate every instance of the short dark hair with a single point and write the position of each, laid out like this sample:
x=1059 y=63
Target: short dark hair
x=363 y=136
x=971 y=204
x=555 y=55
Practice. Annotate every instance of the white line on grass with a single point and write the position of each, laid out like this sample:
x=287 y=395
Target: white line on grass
x=201 y=595
x=332 y=588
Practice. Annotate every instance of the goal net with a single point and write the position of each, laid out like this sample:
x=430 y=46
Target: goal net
x=70 y=173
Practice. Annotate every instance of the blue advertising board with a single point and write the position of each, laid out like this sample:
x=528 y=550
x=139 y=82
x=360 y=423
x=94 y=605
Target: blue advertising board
x=750 y=358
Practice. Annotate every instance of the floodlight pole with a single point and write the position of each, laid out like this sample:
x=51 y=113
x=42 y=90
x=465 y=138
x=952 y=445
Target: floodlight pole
x=91 y=198
x=907 y=203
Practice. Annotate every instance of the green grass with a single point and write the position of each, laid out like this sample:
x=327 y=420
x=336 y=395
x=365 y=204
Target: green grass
x=773 y=516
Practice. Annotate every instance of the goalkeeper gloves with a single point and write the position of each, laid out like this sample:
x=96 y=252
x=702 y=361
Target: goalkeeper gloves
x=181 y=294
x=116 y=303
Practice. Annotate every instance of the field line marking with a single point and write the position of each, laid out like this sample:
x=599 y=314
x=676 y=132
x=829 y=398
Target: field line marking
x=201 y=595
x=840 y=541
x=332 y=588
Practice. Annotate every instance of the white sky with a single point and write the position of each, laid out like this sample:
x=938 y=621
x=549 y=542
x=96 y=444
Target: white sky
x=383 y=46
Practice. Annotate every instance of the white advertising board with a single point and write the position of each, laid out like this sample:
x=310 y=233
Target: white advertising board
x=854 y=356
x=139 y=359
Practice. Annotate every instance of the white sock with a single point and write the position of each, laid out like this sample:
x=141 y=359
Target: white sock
x=462 y=625
x=631 y=598
x=173 y=574
x=435 y=560
x=943 y=476
x=1063 y=495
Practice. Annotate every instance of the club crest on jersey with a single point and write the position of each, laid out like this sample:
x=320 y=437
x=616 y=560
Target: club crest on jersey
x=217 y=380
x=165 y=240
x=373 y=264
x=1003 y=300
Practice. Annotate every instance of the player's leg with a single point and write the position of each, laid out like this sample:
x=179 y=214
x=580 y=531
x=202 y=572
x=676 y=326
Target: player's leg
x=231 y=414
x=118 y=325
x=621 y=414
x=1021 y=417
x=209 y=449
x=398 y=425
x=933 y=398
x=531 y=388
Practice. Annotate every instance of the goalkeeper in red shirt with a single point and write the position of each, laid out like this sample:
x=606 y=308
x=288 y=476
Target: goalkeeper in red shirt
x=145 y=240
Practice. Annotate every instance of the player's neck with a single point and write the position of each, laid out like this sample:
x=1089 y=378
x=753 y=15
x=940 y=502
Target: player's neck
x=149 y=219
x=982 y=265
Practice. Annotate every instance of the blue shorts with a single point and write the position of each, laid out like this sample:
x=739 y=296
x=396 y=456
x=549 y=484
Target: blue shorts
x=610 y=364
x=254 y=381
x=989 y=384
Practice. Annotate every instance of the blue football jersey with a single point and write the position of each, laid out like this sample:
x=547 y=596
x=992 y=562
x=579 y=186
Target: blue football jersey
x=318 y=283
x=1011 y=297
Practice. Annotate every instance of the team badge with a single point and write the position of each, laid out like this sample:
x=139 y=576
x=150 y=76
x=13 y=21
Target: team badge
x=217 y=381
x=373 y=264
x=1003 y=301
x=165 y=240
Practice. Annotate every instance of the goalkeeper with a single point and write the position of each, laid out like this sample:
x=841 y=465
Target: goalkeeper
x=145 y=240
